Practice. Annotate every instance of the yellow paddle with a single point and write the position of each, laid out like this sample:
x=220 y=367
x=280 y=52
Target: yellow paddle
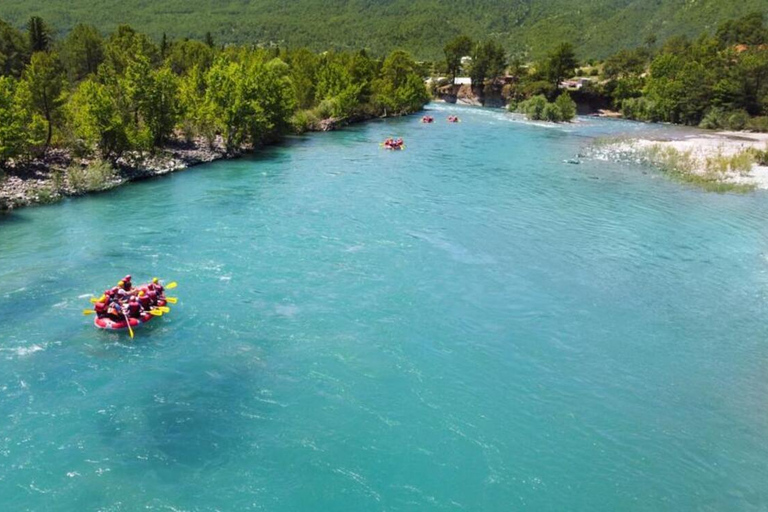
x=172 y=300
x=89 y=312
x=94 y=300
x=171 y=285
x=155 y=312
x=128 y=323
x=164 y=309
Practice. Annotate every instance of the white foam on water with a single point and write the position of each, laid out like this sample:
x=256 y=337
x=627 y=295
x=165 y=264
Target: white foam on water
x=23 y=351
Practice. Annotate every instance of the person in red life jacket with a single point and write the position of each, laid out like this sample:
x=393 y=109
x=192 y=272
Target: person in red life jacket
x=145 y=301
x=127 y=285
x=134 y=308
x=101 y=309
x=152 y=294
x=157 y=287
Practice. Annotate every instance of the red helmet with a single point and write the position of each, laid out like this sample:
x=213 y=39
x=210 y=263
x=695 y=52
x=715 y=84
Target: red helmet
x=127 y=278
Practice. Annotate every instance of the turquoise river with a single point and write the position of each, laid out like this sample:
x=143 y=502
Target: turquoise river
x=471 y=324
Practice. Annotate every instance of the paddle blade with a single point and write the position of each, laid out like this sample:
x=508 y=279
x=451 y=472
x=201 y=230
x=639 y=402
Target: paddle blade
x=94 y=300
x=88 y=312
x=172 y=300
x=155 y=312
x=164 y=309
x=171 y=285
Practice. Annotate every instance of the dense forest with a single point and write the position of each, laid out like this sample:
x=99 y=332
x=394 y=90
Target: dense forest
x=596 y=28
x=714 y=81
x=125 y=93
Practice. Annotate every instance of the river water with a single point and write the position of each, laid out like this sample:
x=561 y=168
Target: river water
x=469 y=324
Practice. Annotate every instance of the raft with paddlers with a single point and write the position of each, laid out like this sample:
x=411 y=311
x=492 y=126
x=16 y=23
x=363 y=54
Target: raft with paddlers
x=394 y=144
x=454 y=119
x=427 y=119
x=125 y=306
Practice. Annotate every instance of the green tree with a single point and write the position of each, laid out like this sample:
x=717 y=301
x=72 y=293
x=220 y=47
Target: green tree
x=566 y=107
x=489 y=60
x=303 y=65
x=751 y=71
x=45 y=79
x=164 y=46
x=399 y=90
x=457 y=48
x=20 y=128
x=161 y=108
x=560 y=64
x=749 y=30
x=13 y=50
x=125 y=45
x=626 y=63
x=39 y=34
x=183 y=55
x=97 y=120
x=230 y=103
x=82 y=51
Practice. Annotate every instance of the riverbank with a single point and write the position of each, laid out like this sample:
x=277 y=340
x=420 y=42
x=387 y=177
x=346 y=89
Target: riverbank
x=718 y=161
x=60 y=174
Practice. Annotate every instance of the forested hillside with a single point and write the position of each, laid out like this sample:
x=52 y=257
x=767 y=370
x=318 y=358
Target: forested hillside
x=597 y=27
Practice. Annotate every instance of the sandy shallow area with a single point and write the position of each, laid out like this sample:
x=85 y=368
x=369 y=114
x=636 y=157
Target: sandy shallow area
x=704 y=145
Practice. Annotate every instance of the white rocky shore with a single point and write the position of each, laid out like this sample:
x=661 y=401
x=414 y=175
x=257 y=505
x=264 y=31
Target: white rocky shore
x=702 y=152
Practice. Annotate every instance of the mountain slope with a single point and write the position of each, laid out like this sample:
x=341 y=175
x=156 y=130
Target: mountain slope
x=596 y=27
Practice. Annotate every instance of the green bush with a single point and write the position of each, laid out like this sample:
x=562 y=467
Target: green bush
x=737 y=120
x=552 y=113
x=538 y=108
x=713 y=119
x=758 y=124
x=637 y=108
x=326 y=108
x=304 y=121
x=760 y=156
x=533 y=108
x=567 y=107
x=98 y=175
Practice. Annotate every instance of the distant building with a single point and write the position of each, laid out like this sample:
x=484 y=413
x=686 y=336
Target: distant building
x=574 y=84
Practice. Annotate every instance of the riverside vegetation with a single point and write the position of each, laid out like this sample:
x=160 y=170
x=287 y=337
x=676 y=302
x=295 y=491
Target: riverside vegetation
x=717 y=81
x=87 y=107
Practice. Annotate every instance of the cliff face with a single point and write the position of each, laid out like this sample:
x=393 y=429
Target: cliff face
x=489 y=96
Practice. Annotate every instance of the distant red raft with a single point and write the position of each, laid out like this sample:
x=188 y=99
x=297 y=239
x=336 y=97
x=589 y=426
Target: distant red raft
x=394 y=144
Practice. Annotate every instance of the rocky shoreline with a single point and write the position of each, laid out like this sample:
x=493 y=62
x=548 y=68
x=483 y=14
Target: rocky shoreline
x=53 y=178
